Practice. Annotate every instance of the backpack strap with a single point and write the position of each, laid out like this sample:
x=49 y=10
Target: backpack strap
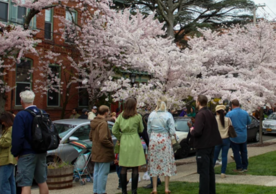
x=33 y=113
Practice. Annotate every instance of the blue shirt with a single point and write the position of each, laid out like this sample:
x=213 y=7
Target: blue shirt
x=161 y=122
x=240 y=119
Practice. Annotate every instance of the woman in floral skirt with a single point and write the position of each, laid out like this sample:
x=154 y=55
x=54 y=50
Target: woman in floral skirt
x=161 y=127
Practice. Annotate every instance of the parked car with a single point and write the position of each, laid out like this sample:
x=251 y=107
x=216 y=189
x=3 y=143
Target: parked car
x=71 y=130
x=269 y=124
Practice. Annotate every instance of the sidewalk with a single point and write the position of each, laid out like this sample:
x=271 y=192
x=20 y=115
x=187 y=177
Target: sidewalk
x=186 y=172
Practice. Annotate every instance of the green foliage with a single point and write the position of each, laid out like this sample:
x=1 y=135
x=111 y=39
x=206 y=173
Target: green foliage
x=258 y=165
x=192 y=188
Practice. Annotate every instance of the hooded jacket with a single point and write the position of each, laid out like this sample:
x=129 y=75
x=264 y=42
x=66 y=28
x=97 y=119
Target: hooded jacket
x=102 y=145
x=192 y=114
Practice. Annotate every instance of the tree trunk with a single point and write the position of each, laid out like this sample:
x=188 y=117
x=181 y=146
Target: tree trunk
x=261 y=126
x=64 y=105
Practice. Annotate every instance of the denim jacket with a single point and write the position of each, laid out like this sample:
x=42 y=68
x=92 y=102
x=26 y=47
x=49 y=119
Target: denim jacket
x=161 y=122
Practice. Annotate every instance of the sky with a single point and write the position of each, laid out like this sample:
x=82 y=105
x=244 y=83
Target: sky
x=269 y=10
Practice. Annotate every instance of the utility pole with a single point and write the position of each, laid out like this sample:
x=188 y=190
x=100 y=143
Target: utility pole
x=255 y=12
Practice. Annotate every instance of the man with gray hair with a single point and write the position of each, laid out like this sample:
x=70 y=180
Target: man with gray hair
x=31 y=165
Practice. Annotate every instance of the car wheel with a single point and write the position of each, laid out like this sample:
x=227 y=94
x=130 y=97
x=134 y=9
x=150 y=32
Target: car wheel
x=184 y=151
x=257 y=137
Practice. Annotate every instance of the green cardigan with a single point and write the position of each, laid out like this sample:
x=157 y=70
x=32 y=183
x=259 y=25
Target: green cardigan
x=5 y=148
x=131 y=149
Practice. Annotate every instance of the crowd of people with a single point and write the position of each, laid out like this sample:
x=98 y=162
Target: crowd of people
x=209 y=134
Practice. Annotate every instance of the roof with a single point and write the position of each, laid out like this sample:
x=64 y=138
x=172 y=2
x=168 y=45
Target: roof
x=76 y=121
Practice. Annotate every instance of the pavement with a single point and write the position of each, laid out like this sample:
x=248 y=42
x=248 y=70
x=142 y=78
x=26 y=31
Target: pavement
x=186 y=172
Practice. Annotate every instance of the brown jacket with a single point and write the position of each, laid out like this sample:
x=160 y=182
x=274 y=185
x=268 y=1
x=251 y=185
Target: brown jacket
x=102 y=145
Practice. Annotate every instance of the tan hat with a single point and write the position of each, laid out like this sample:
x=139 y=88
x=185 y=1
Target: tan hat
x=220 y=107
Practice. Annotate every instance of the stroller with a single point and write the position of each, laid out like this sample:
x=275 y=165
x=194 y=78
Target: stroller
x=83 y=166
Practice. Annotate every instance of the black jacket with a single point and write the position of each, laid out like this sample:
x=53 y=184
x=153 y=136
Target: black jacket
x=205 y=133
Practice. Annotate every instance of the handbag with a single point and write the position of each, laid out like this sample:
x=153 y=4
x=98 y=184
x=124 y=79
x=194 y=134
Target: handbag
x=175 y=144
x=231 y=131
x=117 y=147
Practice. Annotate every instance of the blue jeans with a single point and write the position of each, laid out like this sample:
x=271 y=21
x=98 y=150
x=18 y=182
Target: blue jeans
x=224 y=147
x=240 y=155
x=101 y=171
x=7 y=181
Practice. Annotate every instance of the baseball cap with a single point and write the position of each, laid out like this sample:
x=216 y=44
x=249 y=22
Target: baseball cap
x=94 y=107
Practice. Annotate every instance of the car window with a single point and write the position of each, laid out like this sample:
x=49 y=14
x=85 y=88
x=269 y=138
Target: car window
x=63 y=127
x=82 y=132
x=272 y=116
x=181 y=125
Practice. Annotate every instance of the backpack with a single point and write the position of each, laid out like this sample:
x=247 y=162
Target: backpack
x=44 y=133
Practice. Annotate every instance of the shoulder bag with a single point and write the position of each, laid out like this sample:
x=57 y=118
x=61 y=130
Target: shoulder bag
x=231 y=131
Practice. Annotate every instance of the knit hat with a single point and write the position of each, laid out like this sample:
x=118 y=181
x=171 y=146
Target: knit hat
x=220 y=107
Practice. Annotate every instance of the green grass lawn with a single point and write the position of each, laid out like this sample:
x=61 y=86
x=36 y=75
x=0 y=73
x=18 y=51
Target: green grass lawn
x=258 y=165
x=192 y=188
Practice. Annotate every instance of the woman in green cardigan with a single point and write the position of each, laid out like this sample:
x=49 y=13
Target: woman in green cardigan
x=7 y=161
x=126 y=129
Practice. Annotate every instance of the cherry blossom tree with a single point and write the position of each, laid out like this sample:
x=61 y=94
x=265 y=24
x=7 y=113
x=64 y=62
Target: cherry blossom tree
x=240 y=63
x=15 y=43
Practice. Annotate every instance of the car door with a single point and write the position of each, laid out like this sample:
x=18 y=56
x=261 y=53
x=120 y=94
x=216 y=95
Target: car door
x=68 y=152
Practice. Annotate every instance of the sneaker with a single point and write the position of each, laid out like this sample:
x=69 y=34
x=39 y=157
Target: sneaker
x=149 y=186
x=238 y=170
x=146 y=176
x=244 y=170
x=223 y=175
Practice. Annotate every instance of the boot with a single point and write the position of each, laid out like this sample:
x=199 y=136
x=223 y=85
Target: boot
x=134 y=183
x=123 y=180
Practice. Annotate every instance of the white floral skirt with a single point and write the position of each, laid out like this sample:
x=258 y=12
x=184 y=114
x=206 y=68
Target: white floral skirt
x=161 y=156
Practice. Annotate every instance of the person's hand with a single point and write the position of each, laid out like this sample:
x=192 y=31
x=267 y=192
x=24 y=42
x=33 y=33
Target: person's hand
x=191 y=129
x=189 y=124
x=118 y=143
x=115 y=161
x=16 y=158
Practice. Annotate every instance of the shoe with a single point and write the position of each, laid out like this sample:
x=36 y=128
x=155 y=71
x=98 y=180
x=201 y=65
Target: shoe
x=134 y=184
x=168 y=192
x=244 y=170
x=149 y=186
x=146 y=176
x=123 y=179
x=238 y=170
x=119 y=186
x=223 y=175
x=153 y=192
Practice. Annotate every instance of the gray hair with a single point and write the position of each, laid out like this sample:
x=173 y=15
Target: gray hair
x=27 y=96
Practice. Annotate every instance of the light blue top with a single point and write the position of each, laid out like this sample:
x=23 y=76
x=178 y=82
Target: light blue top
x=240 y=119
x=161 y=122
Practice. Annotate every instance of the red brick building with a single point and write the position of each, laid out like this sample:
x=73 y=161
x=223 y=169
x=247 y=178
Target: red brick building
x=48 y=25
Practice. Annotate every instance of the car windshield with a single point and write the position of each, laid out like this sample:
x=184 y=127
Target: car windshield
x=181 y=125
x=272 y=117
x=63 y=129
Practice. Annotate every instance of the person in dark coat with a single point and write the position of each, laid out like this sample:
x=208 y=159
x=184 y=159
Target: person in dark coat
x=205 y=136
x=84 y=114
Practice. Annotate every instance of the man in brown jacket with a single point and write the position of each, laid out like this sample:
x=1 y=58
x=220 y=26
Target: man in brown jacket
x=102 y=149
